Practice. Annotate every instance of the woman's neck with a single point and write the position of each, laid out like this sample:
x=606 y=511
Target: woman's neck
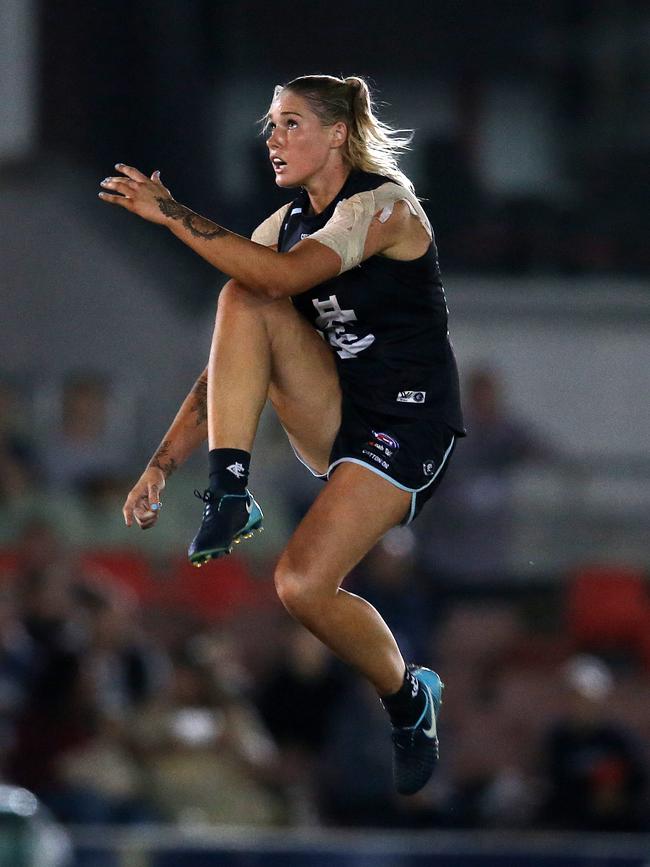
x=322 y=190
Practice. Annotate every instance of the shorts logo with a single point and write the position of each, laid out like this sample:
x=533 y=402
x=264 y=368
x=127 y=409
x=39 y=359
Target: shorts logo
x=411 y=396
x=386 y=440
x=429 y=468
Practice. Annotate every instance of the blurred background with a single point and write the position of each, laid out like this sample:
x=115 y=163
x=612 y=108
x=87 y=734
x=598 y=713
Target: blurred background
x=153 y=714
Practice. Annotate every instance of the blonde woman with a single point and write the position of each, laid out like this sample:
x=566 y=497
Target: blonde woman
x=373 y=408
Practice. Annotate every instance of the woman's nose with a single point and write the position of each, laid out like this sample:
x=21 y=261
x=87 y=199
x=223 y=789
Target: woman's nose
x=274 y=138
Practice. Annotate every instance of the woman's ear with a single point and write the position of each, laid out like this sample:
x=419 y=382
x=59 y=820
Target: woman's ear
x=339 y=134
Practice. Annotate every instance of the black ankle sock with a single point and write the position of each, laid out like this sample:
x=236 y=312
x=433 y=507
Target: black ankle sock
x=406 y=705
x=229 y=470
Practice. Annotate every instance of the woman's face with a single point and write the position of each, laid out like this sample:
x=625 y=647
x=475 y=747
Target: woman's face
x=300 y=147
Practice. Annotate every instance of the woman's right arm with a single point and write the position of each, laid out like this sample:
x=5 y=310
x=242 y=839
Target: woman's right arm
x=188 y=430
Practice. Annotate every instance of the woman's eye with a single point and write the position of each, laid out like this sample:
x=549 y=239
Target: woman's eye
x=291 y=124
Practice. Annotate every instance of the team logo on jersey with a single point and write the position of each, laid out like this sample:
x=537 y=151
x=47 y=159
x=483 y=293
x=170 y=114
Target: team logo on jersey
x=411 y=396
x=332 y=321
x=429 y=468
x=385 y=439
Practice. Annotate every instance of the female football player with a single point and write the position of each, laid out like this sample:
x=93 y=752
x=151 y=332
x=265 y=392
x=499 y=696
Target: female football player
x=372 y=409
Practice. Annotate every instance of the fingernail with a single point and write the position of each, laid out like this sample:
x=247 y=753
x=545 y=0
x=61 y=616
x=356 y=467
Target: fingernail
x=118 y=165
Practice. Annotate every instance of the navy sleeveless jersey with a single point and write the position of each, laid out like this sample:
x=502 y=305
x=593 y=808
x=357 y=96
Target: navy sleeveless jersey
x=386 y=321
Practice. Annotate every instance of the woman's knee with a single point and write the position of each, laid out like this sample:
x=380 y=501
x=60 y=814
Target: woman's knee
x=237 y=300
x=233 y=296
x=299 y=592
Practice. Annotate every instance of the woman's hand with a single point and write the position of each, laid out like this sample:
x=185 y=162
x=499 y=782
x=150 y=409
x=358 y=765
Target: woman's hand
x=146 y=197
x=143 y=503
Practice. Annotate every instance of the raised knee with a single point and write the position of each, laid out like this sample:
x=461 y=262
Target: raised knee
x=236 y=299
x=232 y=294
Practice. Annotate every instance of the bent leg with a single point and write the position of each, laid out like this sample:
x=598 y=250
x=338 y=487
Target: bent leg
x=263 y=348
x=355 y=509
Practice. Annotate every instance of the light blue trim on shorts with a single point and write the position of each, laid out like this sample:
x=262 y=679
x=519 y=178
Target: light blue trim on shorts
x=412 y=491
x=305 y=464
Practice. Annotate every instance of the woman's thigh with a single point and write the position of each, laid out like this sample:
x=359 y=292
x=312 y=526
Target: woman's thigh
x=304 y=387
x=351 y=514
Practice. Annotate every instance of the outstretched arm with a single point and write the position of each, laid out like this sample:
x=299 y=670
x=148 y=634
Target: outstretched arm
x=261 y=268
x=188 y=430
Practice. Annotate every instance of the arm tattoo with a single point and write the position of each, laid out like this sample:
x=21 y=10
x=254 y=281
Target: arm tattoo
x=200 y=405
x=199 y=226
x=162 y=461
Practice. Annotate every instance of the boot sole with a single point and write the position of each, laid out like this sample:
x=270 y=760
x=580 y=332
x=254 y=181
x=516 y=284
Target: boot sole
x=201 y=557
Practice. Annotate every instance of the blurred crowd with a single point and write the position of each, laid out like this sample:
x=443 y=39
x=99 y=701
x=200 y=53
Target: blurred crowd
x=135 y=689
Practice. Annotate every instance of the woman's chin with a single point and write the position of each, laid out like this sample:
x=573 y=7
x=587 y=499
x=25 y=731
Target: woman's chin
x=286 y=181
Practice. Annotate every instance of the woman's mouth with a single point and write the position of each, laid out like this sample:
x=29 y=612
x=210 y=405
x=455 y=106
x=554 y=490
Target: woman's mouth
x=278 y=164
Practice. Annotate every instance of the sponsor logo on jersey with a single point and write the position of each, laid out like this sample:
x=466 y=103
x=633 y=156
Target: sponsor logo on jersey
x=385 y=439
x=411 y=396
x=429 y=468
x=304 y=235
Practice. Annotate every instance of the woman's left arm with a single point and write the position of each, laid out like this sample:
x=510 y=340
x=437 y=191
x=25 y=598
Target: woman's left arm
x=260 y=268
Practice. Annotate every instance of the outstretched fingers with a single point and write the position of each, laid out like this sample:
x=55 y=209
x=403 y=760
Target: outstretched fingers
x=123 y=201
x=131 y=172
x=136 y=193
x=124 y=185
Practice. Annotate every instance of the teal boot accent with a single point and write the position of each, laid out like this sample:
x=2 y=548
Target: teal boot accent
x=227 y=519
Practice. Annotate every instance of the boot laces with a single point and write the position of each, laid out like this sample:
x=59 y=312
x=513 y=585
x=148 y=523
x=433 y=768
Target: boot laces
x=209 y=499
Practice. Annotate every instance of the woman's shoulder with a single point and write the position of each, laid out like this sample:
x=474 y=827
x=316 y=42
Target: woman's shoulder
x=268 y=231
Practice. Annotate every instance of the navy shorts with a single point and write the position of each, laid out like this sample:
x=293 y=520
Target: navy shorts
x=412 y=454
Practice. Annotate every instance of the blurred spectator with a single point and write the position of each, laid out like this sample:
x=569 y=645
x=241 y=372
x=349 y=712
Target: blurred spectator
x=296 y=702
x=53 y=715
x=18 y=460
x=74 y=673
x=355 y=775
x=99 y=777
x=121 y=671
x=205 y=755
x=17 y=669
x=465 y=535
x=485 y=722
x=596 y=773
x=88 y=445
